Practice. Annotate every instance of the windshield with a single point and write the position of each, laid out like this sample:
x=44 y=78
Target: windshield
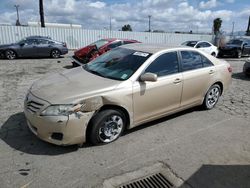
x=189 y=43
x=117 y=64
x=238 y=42
x=22 y=41
x=99 y=43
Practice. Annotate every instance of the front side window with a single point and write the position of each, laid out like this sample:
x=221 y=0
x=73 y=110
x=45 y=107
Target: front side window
x=117 y=64
x=99 y=43
x=165 y=64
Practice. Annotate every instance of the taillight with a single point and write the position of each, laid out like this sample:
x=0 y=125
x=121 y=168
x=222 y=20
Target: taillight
x=230 y=69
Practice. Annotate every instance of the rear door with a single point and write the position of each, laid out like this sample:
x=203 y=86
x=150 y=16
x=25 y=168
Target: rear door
x=152 y=99
x=204 y=46
x=198 y=76
x=29 y=49
x=43 y=48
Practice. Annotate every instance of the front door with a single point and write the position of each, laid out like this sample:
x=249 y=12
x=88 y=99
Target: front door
x=154 y=99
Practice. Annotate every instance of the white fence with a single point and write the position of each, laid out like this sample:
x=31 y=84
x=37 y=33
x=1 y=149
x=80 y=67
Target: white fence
x=76 y=38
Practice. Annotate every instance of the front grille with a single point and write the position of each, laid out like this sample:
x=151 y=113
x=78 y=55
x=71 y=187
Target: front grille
x=153 y=181
x=34 y=106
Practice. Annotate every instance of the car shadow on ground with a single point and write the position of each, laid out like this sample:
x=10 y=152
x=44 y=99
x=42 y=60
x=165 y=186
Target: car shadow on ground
x=68 y=67
x=17 y=135
x=240 y=76
x=163 y=119
x=220 y=176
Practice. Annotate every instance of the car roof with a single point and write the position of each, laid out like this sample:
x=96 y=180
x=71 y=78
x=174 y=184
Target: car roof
x=153 y=48
x=38 y=37
x=114 y=39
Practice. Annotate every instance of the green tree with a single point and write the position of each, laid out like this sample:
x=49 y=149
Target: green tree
x=217 y=26
x=127 y=28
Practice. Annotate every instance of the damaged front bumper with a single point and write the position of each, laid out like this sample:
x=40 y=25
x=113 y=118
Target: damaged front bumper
x=59 y=130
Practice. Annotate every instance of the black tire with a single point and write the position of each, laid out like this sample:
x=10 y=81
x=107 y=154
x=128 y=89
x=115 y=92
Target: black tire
x=212 y=96
x=105 y=121
x=239 y=54
x=74 y=64
x=10 y=54
x=55 y=53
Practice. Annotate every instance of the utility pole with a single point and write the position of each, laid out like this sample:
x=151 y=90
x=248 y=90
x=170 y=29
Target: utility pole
x=110 y=24
x=149 y=23
x=248 y=28
x=41 y=13
x=17 y=14
x=233 y=30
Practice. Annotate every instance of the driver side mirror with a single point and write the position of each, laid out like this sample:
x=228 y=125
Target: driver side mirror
x=198 y=46
x=150 y=77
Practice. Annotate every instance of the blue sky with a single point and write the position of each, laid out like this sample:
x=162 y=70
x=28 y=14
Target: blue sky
x=167 y=15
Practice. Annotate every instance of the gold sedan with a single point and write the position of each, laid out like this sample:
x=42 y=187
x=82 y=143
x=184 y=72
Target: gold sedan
x=123 y=88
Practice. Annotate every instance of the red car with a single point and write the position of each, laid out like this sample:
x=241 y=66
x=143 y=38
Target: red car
x=90 y=52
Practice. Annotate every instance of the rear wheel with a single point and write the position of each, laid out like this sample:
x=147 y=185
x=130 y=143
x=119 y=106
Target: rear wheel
x=10 y=54
x=106 y=127
x=55 y=53
x=212 y=96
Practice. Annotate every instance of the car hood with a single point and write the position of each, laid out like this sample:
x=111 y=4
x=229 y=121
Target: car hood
x=71 y=86
x=231 y=46
x=6 y=45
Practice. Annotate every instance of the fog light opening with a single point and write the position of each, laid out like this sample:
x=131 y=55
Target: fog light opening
x=57 y=136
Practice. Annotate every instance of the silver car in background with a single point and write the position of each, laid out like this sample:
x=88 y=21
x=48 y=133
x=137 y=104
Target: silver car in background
x=34 y=46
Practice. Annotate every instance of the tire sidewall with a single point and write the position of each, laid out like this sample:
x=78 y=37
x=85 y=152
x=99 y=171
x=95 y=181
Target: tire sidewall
x=55 y=50
x=97 y=122
x=10 y=51
x=205 y=102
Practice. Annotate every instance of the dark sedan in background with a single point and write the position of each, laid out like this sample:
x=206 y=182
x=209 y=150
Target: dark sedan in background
x=34 y=46
x=236 y=48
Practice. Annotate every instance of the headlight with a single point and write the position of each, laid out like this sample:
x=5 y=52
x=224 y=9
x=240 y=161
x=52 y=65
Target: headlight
x=57 y=110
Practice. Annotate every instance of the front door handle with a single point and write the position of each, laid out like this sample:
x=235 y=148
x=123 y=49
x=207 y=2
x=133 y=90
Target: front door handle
x=177 y=80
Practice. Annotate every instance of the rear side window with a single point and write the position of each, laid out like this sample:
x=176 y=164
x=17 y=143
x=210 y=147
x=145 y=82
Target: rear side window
x=203 y=45
x=165 y=64
x=115 y=44
x=206 y=62
x=194 y=60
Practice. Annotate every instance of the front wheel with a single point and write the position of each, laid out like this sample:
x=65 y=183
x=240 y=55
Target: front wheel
x=106 y=127
x=10 y=54
x=238 y=54
x=212 y=96
x=55 y=53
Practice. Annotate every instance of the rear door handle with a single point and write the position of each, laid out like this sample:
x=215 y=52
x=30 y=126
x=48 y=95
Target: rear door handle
x=177 y=80
x=211 y=71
